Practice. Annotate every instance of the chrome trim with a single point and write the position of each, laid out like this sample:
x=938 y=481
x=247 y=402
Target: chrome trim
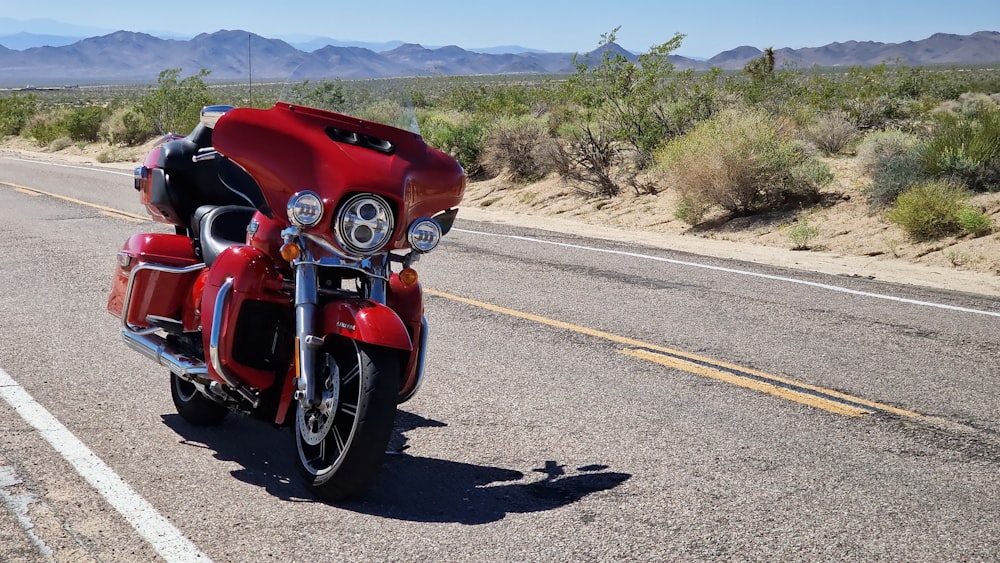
x=384 y=217
x=295 y=201
x=221 y=302
x=422 y=350
x=411 y=233
x=306 y=312
x=156 y=348
x=127 y=304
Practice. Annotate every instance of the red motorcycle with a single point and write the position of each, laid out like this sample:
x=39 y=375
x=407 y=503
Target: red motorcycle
x=288 y=292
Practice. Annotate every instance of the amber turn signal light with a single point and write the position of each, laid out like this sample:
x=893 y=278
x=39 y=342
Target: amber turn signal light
x=408 y=277
x=290 y=251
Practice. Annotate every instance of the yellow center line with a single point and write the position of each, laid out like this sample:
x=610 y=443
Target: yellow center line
x=790 y=389
x=108 y=211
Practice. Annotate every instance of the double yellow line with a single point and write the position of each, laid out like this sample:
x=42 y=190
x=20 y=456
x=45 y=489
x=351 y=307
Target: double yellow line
x=804 y=393
x=109 y=211
x=814 y=396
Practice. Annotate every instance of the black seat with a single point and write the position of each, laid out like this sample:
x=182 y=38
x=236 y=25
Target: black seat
x=216 y=228
x=191 y=185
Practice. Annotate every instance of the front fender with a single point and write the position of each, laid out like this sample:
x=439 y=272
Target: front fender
x=366 y=321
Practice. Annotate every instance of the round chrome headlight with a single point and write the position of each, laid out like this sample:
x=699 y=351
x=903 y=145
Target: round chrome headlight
x=424 y=235
x=305 y=209
x=364 y=224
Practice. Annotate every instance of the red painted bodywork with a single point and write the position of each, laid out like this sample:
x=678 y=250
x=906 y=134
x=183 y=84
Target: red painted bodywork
x=254 y=279
x=408 y=303
x=287 y=149
x=154 y=293
x=366 y=321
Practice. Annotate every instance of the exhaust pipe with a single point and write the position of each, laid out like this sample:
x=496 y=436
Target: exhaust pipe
x=156 y=348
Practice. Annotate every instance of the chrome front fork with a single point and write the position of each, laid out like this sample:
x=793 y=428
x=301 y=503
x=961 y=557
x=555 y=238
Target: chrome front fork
x=307 y=312
x=307 y=343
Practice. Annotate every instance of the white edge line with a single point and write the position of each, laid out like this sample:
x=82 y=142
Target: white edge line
x=743 y=273
x=91 y=168
x=166 y=539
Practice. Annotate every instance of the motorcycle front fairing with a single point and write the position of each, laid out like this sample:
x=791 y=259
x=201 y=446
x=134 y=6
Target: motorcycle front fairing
x=289 y=148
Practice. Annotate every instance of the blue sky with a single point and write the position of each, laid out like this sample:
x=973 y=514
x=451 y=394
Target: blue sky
x=568 y=26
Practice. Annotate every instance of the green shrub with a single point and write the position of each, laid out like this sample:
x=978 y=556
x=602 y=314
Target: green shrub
x=15 y=111
x=126 y=126
x=878 y=112
x=84 y=124
x=457 y=135
x=892 y=158
x=47 y=127
x=175 y=105
x=516 y=145
x=965 y=147
x=929 y=210
x=974 y=222
x=801 y=234
x=739 y=160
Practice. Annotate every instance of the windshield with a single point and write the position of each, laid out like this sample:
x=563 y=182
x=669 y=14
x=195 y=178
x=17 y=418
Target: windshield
x=384 y=100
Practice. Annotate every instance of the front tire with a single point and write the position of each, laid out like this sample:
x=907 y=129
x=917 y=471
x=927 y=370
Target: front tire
x=194 y=407
x=341 y=443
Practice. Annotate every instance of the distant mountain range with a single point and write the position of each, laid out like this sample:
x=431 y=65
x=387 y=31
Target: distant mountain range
x=126 y=56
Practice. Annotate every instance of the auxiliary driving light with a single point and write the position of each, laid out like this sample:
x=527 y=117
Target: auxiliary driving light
x=305 y=209
x=424 y=235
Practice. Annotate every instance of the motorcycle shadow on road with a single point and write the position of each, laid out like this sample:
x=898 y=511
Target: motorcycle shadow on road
x=412 y=488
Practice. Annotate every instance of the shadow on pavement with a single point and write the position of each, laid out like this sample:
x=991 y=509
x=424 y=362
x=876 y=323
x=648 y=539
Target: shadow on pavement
x=412 y=488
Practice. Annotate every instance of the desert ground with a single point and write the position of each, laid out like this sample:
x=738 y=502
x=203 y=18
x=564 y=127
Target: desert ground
x=852 y=240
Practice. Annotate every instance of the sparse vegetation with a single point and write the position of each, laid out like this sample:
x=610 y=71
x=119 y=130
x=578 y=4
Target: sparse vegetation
x=892 y=159
x=930 y=210
x=801 y=234
x=721 y=144
x=740 y=161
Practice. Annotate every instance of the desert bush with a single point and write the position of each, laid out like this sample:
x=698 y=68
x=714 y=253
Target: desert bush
x=929 y=210
x=59 y=144
x=801 y=234
x=175 y=105
x=115 y=154
x=969 y=103
x=965 y=147
x=878 y=112
x=739 y=161
x=974 y=222
x=126 y=126
x=15 y=111
x=516 y=145
x=457 y=135
x=831 y=132
x=84 y=124
x=629 y=98
x=46 y=127
x=589 y=157
x=892 y=159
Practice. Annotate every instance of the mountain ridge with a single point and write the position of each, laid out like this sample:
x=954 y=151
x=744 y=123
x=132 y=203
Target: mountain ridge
x=136 y=56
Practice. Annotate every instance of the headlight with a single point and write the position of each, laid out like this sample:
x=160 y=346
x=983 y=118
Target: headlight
x=364 y=224
x=424 y=235
x=305 y=209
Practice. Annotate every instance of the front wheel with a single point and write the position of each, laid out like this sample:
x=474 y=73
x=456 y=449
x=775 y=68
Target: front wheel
x=341 y=442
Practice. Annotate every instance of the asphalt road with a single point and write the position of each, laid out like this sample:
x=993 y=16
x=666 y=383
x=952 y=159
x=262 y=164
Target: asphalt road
x=585 y=401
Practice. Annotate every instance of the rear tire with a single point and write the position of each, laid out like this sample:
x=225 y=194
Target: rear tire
x=194 y=407
x=341 y=443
